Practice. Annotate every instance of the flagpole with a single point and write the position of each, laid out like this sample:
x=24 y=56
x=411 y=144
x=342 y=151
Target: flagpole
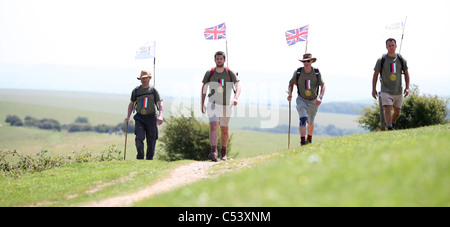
x=154 y=64
x=403 y=33
x=306 y=49
x=226 y=47
x=154 y=71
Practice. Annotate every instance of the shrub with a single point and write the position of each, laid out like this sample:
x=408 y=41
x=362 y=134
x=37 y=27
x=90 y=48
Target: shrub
x=41 y=161
x=14 y=120
x=417 y=111
x=186 y=138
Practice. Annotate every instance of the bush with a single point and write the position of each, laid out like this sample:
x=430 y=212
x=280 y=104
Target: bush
x=48 y=124
x=417 y=111
x=41 y=161
x=187 y=138
x=14 y=120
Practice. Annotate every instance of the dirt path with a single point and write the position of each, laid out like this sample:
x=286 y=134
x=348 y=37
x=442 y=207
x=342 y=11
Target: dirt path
x=179 y=177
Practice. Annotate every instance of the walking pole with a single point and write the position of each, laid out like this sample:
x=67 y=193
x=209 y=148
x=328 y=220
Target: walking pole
x=289 y=130
x=125 y=150
x=289 y=134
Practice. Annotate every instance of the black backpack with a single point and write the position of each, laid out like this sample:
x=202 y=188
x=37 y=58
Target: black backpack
x=147 y=93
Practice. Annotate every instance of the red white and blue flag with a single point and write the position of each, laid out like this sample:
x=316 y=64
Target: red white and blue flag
x=145 y=102
x=222 y=82
x=297 y=35
x=393 y=67
x=308 y=84
x=216 y=32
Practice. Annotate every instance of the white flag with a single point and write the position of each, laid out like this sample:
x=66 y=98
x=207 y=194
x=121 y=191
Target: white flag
x=146 y=51
x=395 y=26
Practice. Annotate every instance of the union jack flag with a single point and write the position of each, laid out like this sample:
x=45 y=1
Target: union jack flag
x=297 y=35
x=216 y=32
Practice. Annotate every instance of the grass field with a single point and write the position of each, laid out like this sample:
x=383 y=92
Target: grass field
x=399 y=168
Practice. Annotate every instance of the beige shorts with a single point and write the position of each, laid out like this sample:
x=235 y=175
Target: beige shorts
x=219 y=113
x=391 y=100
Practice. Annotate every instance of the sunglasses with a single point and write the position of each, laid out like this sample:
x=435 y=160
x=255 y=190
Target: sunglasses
x=309 y=61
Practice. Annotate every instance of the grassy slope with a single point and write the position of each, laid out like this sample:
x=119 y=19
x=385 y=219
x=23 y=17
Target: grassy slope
x=399 y=168
x=53 y=187
x=68 y=185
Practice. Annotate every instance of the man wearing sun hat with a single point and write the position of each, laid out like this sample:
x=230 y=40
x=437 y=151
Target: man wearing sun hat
x=308 y=81
x=145 y=99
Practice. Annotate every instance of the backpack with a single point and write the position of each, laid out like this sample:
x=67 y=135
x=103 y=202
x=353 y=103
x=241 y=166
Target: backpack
x=299 y=72
x=152 y=91
x=228 y=72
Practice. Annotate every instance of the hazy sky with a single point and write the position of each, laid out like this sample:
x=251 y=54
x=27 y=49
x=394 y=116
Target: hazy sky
x=347 y=37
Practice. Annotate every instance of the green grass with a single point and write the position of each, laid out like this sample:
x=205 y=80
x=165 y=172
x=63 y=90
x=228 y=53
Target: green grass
x=55 y=187
x=28 y=140
x=397 y=168
x=68 y=185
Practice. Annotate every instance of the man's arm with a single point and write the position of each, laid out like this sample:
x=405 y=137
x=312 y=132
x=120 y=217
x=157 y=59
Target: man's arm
x=322 y=92
x=203 y=96
x=130 y=109
x=407 y=83
x=290 y=88
x=374 y=84
x=161 y=112
x=238 y=92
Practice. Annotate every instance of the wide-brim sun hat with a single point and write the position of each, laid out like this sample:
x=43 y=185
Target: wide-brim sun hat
x=144 y=74
x=307 y=57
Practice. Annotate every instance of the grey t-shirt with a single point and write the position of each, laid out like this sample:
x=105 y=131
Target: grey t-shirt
x=391 y=75
x=220 y=86
x=307 y=83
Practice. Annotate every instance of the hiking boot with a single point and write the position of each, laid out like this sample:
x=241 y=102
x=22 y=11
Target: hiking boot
x=303 y=142
x=223 y=154
x=308 y=141
x=213 y=155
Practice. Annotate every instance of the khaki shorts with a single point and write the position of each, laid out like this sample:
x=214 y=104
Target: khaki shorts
x=391 y=100
x=219 y=113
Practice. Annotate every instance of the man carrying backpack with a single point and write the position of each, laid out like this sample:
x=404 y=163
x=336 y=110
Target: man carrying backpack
x=390 y=67
x=308 y=81
x=144 y=98
x=219 y=108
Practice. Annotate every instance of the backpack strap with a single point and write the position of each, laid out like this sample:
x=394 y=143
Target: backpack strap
x=212 y=72
x=214 y=68
x=228 y=72
x=151 y=92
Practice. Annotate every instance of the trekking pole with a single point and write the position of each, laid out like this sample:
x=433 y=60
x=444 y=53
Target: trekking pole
x=289 y=134
x=125 y=150
x=289 y=130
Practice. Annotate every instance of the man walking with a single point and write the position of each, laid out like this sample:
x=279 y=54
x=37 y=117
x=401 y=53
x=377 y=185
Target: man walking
x=144 y=98
x=219 y=108
x=390 y=67
x=308 y=80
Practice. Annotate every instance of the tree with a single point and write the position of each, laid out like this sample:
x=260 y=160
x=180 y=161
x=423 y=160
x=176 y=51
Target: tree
x=417 y=111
